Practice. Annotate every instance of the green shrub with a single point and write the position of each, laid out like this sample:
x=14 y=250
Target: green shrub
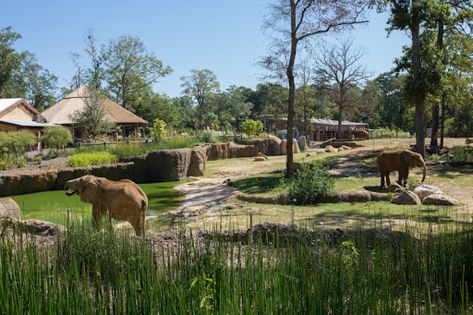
x=209 y=137
x=158 y=130
x=252 y=127
x=56 y=137
x=383 y=133
x=93 y=158
x=310 y=184
x=462 y=153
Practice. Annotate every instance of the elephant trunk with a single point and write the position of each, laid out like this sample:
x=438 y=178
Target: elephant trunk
x=425 y=172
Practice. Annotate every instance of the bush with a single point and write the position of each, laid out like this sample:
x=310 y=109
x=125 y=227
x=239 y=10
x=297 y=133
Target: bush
x=13 y=146
x=209 y=137
x=252 y=127
x=383 y=133
x=158 y=131
x=310 y=184
x=93 y=158
x=56 y=137
x=462 y=153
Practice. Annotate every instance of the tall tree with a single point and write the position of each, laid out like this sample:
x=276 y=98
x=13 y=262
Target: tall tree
x=200 y=85
x=131 y=69
x=297 y=21
x=95 y=73
x=9 y=59
x=411 y=16
x=341 y=69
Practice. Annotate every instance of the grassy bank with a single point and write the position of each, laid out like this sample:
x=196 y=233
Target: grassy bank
x=390 y=273
x=52 y=206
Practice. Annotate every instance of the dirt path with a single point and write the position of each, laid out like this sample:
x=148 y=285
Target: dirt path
x=201 y=194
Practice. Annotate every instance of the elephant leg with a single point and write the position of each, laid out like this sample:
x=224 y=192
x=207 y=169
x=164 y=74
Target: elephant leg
x=388 y=180
x=382 y=179
x=137 y=224
x=96 y=217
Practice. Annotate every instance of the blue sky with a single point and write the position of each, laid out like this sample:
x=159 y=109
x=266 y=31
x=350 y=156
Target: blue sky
x=221 y=35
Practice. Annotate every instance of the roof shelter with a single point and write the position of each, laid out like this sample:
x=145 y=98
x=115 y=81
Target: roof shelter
x=61 y=113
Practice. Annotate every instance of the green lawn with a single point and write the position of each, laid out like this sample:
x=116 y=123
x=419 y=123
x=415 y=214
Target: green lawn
x=52 y=206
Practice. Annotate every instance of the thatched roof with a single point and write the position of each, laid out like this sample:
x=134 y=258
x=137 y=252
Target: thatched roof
x=61 y=112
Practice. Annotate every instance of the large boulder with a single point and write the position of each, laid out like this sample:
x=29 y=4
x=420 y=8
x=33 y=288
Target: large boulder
x=270 y=145
x=197 y=162
x=407 y=198
x=242 y=150
x=395 y=188
x=9 y=209
x=295 y=147
x=439 y=199
x=219 y=151
x=426 y=190
x=302 y=142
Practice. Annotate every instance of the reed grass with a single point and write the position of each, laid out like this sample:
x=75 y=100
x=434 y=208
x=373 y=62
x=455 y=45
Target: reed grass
x=101 y=272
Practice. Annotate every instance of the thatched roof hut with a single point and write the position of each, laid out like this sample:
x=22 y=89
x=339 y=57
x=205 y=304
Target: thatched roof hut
x=61 y=112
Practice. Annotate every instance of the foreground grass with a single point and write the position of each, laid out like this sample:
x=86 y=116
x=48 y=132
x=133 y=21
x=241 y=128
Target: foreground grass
x=380 y=273
x=52 y=206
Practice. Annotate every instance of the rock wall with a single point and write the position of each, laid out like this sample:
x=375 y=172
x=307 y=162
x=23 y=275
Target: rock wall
x=157 y=166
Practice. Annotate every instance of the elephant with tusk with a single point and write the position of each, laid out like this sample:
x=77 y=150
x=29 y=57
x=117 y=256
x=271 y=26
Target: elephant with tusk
x=400 y=161
x=122 y=200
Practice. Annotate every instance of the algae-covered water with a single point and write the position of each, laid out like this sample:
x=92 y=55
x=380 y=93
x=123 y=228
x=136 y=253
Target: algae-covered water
x=52 y=206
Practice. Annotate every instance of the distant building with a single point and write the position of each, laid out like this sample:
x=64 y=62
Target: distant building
x=320 y=129
x=60 y=113
x=17 y=114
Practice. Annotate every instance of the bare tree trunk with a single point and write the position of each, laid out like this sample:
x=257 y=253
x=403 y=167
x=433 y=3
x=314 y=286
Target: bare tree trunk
x=419 y=98
x=435 y=125
x=435 y=106
x=442 y=120
x=292 y=94
x=340 y=112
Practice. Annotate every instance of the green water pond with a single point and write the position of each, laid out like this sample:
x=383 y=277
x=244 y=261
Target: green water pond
x=52 y=206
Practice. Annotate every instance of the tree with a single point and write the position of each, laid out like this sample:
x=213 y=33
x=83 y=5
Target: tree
x=200 y=85
x=91 y=120
x=341 y=70
x=252 y=127
x=158 y=130
x=9 y=59
x=95 y=74
x=131 y=69
x=297 y=21
x=56 y=137
x=21 y=75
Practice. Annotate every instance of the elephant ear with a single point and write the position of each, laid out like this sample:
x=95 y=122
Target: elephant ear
x=405 y=158
x=90 y=189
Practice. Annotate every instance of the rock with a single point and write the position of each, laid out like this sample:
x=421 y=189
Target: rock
x=395 y=188
x=43 y=228
x=407 y=198
x=426 y=190
x=9 y=209
x=330 y=149
x=241 y=150
x=302 y=142
x=345 y=147
x=439 y=199
x=270 y=145
x=318 y=151
x=197 y=162
x=295 y=147
x=262 y=155
x=260 y=159
x=219 y=151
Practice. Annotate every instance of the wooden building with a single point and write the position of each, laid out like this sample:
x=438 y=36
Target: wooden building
x=127 y=123
x=17 y=114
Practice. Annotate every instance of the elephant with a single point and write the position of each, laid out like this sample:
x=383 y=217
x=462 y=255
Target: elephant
x=123 y=200
x=400 y=161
